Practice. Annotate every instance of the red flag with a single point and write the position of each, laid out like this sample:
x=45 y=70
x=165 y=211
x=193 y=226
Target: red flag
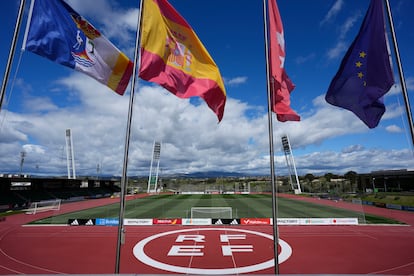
x=281 y=85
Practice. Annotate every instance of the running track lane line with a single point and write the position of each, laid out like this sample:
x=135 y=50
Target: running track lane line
x=12 y=259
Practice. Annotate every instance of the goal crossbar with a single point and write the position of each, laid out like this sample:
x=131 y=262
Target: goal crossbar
x=45 y=205
x=211 y=212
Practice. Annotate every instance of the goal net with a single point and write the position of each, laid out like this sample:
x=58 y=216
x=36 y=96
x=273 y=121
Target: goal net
x=211 y=212
x=45 y=205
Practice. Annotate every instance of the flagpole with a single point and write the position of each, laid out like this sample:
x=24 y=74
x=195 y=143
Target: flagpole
x=400 y=71
x=11 y=52
x=271 y=149
x=124 y=180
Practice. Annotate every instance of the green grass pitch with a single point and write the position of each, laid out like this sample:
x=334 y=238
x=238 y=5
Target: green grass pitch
x=243 y=206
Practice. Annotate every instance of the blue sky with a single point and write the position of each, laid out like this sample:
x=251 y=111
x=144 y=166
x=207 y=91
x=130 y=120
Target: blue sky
x=44 y=98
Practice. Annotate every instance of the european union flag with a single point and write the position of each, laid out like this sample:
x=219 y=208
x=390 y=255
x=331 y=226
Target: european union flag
x=365 y=74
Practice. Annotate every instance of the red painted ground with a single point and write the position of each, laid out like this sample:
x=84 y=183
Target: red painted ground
x=315 y=249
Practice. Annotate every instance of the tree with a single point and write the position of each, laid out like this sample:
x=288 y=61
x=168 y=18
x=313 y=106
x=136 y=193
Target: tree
x=329 y=176
x=309 y=177
x=352 y=177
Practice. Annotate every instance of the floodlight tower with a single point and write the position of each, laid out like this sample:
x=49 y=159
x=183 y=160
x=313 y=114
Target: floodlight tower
x=70 y=158
x=294 y=182
x=153 y=176
x=22 y=156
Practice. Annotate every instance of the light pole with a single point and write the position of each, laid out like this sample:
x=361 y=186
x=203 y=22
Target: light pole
x=22 y=156
x=373 y=184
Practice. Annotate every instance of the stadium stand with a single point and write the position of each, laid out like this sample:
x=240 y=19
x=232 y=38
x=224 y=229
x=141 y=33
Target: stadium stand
x=18 y=192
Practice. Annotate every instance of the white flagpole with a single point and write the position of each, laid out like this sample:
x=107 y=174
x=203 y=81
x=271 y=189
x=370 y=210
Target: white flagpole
x=400 y=71
x=271 y=148
x=11 y=52
x=124 y=180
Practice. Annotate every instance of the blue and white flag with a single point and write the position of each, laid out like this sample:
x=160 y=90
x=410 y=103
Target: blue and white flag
x=57 y=32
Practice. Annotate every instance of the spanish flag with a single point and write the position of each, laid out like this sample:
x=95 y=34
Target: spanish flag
x=173 y=56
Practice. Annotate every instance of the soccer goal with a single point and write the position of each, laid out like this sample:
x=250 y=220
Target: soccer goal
x=211 y=212
x=45 y=205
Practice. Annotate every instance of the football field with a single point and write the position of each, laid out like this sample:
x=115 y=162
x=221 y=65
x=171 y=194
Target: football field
x=27 y=248
x=242 y=206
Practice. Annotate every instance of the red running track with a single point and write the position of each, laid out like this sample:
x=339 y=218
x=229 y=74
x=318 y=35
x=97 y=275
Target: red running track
x=158 y=249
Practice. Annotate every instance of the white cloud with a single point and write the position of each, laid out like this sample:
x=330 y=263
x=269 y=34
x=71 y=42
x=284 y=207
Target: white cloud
x=303 y=59
x=409 y=82
x=29 y=148
x=333 y=11
x=114 y=22
x=353 y=148
x=39 y=104
x=337 y=51
x=395 y=89
x=341 y=45
x=361 y=161
x=393 y=128
x=349 y=23
x=192 y=140
x=394 y=110
x=235 y=81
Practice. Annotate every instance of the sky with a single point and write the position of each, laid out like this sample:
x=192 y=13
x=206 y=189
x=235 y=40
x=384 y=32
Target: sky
x=43 y=98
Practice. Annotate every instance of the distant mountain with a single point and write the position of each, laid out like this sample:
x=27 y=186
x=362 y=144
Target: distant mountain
x=210 y=174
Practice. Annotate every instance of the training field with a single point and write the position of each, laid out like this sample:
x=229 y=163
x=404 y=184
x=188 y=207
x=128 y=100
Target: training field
x=382 y=249
x=242 y=206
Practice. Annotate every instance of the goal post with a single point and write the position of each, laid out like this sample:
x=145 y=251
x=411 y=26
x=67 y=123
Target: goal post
x=45 y=205
x=211 y=212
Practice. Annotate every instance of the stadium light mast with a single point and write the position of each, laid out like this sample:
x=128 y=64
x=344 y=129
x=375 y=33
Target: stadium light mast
x=70 y=158
x=291 y=165
x=98 y=171
x=153 y=176
x=22 y=156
